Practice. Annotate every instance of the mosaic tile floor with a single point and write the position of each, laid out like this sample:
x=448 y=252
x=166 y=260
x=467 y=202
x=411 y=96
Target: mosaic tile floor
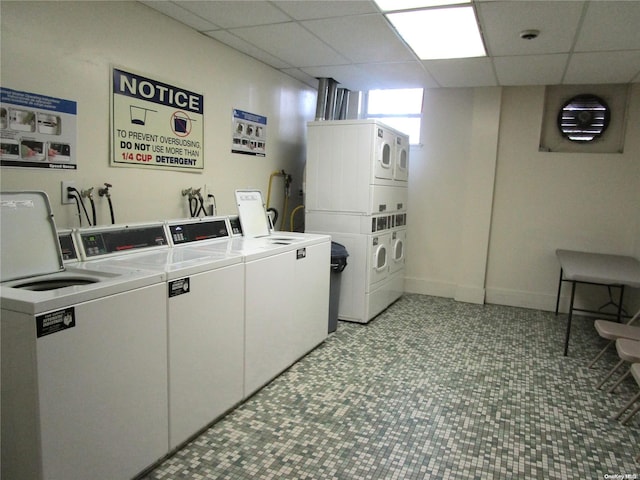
x=431 y=389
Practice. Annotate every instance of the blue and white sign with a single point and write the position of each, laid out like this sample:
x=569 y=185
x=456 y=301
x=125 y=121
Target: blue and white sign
x=155 y=124
x=37 y=131
x=249 y=133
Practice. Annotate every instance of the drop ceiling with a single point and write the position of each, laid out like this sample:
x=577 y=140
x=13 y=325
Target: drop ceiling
x=580 y=42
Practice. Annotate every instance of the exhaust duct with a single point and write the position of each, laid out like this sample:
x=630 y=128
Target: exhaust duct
x=333 y=102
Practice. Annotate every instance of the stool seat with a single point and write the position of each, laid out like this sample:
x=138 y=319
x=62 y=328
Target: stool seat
x=614 y=330
x=628 y=350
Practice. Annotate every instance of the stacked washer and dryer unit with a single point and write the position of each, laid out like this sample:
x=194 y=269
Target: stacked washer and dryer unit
x=356 y=191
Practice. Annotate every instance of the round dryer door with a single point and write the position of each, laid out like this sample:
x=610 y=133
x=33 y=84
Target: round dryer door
x=384 y=153
x=380 y=262
x=398 y=250
x=402 y=166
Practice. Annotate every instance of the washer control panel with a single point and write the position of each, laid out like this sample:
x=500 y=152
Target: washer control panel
x=97 y=243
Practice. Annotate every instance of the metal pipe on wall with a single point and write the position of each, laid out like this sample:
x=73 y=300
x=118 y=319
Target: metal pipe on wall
x=331 y=100
x=321 y=104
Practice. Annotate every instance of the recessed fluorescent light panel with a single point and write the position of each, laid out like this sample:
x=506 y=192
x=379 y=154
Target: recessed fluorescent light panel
x=393 y=5
x=440 y=33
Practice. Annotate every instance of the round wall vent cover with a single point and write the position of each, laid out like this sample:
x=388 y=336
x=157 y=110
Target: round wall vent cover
x=584 y=118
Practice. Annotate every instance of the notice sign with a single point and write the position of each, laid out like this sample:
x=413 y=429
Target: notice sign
x=37 y=131
x=155 y=124
x=249 y=133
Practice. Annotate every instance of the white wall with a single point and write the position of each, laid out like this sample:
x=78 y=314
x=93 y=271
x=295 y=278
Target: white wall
x=538 y=202
x=66 y=49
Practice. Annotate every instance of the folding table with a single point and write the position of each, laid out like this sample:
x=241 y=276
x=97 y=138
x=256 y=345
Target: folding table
x=618 y=271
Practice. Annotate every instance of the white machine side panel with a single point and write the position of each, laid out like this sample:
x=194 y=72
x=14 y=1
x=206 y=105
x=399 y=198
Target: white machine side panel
x=268 y=309
x=339 y=165
x=311 y=299
x=206 y=350
x=103 y=388
x=20 y=419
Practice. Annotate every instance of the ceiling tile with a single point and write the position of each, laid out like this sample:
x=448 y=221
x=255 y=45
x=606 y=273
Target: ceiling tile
x=230 y=14
x=178 y=13
x=530 y=69
x=247 y=48
x=349 y=76
x=504 y=20
x=302 y=76
x=313 y=9
x=472 y=72
x=374 y=76
x=364 y=38
x=603 y=67
x=398 y=75
x=610 y=26
x=291 y=43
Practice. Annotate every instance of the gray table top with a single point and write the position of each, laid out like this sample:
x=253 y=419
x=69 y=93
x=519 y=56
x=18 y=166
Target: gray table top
x=599 y=268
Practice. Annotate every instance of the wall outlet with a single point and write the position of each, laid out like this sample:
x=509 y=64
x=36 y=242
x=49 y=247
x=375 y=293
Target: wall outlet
x=66 y=198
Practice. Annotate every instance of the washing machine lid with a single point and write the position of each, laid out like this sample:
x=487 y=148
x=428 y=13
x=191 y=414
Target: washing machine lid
x=252 y=213
x=29 y=239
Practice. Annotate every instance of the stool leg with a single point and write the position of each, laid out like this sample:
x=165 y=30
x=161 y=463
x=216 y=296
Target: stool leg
x=626 y=419
x=600 y=354
x=615 y=385
x=626 y=406
x=609 y=374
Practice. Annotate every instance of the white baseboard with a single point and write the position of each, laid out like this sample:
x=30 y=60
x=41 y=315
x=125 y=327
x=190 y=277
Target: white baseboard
x=469 y=294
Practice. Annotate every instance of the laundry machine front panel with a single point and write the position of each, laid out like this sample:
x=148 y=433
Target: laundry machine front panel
x=311 y=308
x=102 y=386
x=387 y=198
x=206 y=348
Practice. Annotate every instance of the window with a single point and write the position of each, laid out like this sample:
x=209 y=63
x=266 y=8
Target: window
x=398 y=108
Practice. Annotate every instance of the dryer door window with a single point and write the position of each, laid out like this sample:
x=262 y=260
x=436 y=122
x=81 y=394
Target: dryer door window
x=384 y=154
x=402 y=164
x=379 y=260
x=398 y=250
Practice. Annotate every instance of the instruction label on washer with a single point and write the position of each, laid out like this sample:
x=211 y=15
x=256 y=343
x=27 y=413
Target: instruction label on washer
x=301 y=253
x=179 y=287
x=54 y=322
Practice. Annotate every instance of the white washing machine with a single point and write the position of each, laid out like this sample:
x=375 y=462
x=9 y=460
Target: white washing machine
x=84 y=361
x=286 y=292
x=356 y=184
x=204 y=297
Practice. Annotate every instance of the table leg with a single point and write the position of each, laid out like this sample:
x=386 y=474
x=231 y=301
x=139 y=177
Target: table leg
x=559 y=289
x=620 y=309
x=566 y=340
